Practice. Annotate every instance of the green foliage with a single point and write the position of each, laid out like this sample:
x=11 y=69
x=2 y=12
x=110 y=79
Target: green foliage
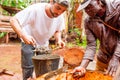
x=21 y=4
x=83 y=43
x=70 y=44
x=76 y=34
x=2 y=34
x=81 y=40
x=78 y=31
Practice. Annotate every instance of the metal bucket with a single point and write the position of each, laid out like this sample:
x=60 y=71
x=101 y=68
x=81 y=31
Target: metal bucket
x=45 y=63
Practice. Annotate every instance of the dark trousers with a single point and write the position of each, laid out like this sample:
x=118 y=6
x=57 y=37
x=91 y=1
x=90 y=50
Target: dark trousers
x=26 y=60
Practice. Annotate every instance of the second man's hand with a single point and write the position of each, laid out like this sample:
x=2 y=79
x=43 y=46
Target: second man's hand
x=78 y=72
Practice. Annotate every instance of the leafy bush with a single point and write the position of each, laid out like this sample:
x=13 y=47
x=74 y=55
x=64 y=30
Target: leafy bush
x=2 y=34
x=21 y=4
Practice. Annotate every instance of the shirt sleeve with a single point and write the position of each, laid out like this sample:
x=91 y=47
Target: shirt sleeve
x=91 y=42
x=25 y=16
x=117 y=50
x=61 y=23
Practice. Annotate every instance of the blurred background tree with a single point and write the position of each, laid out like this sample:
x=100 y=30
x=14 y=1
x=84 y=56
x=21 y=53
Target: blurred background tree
x=14 y=6
x=21 y=4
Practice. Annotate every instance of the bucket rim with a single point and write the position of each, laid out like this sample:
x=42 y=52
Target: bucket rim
x=46 y=57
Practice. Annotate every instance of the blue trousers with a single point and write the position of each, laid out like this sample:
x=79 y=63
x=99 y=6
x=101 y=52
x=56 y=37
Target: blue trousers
x=26 y=60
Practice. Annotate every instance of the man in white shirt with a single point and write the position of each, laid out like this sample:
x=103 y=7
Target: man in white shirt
x=35 y=25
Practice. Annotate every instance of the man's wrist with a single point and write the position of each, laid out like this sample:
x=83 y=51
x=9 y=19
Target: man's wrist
x=20 y=35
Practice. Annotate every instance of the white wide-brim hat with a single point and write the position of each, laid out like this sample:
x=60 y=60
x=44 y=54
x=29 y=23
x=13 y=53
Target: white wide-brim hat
x=83 y=5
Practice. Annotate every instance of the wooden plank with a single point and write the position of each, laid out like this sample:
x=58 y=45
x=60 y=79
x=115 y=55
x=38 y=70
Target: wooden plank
x=5 y=26
x=6 y=29
x=3 y=29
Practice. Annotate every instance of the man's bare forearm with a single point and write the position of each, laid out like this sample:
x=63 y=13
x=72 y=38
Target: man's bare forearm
x=16 y=26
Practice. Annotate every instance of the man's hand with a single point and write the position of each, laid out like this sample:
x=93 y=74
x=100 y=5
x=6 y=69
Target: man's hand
x=57 y=36
x=28 y=39
x=61 y=44
x=113 y=65
x=78 y=72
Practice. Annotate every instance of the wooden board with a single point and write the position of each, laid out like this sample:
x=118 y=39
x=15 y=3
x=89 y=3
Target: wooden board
x=90 y=75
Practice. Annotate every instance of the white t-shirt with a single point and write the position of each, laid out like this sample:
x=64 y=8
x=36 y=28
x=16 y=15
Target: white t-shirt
x=35 y=22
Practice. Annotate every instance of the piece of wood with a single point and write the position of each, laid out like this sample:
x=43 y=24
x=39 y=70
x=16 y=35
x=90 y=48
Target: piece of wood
x=7 y=29
x=56 y=72
x=5 y=71
x=90 y=75
x=5 y=26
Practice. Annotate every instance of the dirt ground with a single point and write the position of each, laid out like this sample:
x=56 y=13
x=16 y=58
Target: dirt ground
x=10 y=56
